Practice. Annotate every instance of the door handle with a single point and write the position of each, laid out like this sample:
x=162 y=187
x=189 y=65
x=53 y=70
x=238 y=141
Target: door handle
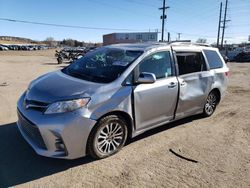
x=172 y=85
x=183 y=83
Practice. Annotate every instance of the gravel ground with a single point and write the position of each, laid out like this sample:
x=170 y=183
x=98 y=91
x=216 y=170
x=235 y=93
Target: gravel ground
x=220 y=144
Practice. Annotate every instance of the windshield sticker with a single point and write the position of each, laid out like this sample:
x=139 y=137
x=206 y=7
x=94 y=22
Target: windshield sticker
x=121 y=63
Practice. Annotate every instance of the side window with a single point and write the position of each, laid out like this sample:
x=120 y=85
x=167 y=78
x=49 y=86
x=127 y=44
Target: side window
x=126 y=36
x=189 y=62
x=158 y=63
x=151 y=36
x=213 y=59
x=138 y=37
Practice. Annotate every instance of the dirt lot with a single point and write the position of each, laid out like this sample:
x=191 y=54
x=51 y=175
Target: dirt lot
x=220 y=144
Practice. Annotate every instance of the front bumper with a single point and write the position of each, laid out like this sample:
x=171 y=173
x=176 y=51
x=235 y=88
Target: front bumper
x=62 y=135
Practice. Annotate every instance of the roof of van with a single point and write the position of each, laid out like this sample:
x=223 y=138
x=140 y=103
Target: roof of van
x=137 y=46
x=150 y=45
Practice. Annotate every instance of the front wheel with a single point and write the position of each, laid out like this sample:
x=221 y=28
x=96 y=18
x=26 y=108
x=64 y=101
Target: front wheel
x=211 y=103
x=108 y=137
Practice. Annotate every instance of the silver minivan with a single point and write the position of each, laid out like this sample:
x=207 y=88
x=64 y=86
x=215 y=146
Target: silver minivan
x=117 y=92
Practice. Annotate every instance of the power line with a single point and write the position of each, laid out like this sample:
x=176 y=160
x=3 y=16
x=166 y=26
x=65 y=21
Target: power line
x=202 y=17
x=85 y=27
x=193 y=34
x=188 y=9
x=239 y=25
x=68 y=26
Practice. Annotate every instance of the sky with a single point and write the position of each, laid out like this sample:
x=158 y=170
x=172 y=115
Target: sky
x=192 y=18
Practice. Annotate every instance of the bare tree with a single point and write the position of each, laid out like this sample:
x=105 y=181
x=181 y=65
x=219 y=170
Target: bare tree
x=50 y=41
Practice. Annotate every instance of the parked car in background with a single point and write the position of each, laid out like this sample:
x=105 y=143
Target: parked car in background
x=117 y=92
x=243 y=57
x=13 y=47
x=3 y=47
x=24 y=47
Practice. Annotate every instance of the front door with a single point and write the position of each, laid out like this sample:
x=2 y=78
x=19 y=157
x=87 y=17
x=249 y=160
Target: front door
x=155 y=103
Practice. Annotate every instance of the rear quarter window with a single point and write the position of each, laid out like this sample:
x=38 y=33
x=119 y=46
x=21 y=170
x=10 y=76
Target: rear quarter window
x=214 y=59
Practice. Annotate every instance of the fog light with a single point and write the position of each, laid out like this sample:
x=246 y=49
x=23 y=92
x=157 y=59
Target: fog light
x=60 y=146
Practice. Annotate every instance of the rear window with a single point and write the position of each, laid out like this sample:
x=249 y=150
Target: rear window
x=214 y=59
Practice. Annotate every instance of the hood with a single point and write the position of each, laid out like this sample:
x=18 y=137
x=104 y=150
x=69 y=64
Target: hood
x=57 y=86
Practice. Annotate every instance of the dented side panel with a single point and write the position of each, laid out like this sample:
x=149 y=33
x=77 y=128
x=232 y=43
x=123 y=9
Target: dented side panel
x=221 y=81
x=194 y=89
x=116 y=100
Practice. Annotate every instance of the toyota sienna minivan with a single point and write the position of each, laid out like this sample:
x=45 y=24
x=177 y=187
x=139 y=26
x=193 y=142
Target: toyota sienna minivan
x=117 y=92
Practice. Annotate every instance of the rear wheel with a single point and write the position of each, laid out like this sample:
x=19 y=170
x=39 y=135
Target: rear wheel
x=108 y=137
x=211 y=103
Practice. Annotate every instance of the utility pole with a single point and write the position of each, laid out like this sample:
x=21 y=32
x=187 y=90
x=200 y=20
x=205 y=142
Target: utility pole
x=224 y=24
x=163 y=17
x=218 y=36
x=179 y=36
x=169 y=37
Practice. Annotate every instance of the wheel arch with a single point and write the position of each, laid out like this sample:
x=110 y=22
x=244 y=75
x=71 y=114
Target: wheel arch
x=218 y=93
x=125 y=116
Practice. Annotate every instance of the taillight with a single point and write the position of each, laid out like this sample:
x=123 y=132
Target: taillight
x=227 y=73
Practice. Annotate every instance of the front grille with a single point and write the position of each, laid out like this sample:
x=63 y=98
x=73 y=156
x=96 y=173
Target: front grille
x=31 y=131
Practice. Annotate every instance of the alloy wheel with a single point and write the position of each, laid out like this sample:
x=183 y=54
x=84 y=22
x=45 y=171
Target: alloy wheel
x=110 y=138
x=211 y=103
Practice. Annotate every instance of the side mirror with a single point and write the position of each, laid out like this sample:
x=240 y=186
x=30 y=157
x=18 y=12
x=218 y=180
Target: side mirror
x=146 y=78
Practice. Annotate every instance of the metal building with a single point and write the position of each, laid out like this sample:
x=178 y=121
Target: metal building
x=115 y=38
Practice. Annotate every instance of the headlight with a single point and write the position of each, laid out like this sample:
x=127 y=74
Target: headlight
x=66 y=106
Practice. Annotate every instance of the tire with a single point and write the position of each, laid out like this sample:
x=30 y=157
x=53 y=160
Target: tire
x=211 y=104
x=107 y=137
x=59 y=60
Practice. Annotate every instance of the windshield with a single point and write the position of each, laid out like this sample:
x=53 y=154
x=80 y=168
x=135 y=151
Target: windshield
x=103 y=65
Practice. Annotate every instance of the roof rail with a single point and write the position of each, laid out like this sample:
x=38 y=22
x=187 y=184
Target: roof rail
x=182 y=43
